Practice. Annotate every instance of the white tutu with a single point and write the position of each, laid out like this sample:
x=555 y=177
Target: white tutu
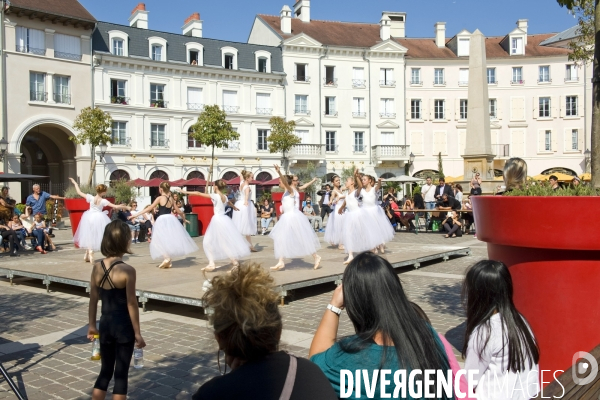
x=358 y=232
x=91 y=230
x=222 y=240
x=245 y=219
x=170 y=239
x=381 y=228
x=335 y=225
x=292 y=235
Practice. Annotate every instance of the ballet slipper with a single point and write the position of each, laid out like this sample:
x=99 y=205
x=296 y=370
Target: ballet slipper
x=86 y=258
x=278 y=267
x=446 y=236
x=91 y=257
x=341 y=247
x=209 y=268
x=317 y=262
x=348 y=261
x=253 y=250
x=374 y=251
x=164 y=264
x=382 y=249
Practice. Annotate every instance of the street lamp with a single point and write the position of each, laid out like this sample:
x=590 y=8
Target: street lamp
x=102 y=147
x=3 y=148
x=588 y=158
x=39 y=154
x=411 y=159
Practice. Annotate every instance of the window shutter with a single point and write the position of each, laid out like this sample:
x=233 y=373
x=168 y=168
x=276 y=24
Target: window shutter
x=554 y=104
x=462 y=141
x=391 y=106
x=541 y=140
x=562 y=103
x=444 y=143
x=195 y=95
x=456 y=110
x=67 y=44
x=382 y=74
x=517 y=109
x=424 y=110
x=554 y=141
x=408 y=109
x=355 y=105
x=229 y=98
x=580 y=139
x=437 y=142
x=536 y=107
x=431 y=109
x=382 y=106
x=568 y=140
x=359 y=73
x=574 y=71
x=416 y=142
x=390 y=74
x=37 y=39
x=580 y=107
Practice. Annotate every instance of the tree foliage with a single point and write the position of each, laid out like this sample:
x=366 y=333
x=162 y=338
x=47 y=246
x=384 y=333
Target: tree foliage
x=583 y=47
x=305 y=175
x=94 y=128
x=440 y=166
x=282 y=139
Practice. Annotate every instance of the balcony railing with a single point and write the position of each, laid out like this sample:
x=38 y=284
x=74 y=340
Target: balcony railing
x=31 y=50
x=387 y=82
x=307 y=152
x=121 y=141
x=67 y=56
x=159 y=143
x=463 y=83
x=303 y=111
x=331 y=148
x=388 y=152
x=359 y=114
x=195 y=106
x=359 y=149
x=264 y=111
x=501 y=150
x=231 y=109
x=233 y=145
x=517 y=82
x=358 y=83
x=119 y=100
x=301 y=78
x=62 y=98
x=439 y=82
x=330 y=82
x=159 y=103
x=546 y=80
x=416 y=82
x=492 y=81
x=38 y=96
x=330 y=114
x=387 y=115
x=575 y=79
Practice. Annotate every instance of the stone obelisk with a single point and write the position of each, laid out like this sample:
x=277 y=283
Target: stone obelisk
x=478 y=155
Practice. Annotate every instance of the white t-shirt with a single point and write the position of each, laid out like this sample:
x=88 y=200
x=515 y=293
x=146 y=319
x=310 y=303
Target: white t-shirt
x=494 y=381
x=428 y=192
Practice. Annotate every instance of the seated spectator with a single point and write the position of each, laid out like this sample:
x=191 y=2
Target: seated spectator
x=515 y=175
x=390 y=334
x=266 y=215
x=16 y=225
x=37 y=241
x=391 y=215
x=39 y=228
x=449 y=203
x=452 y=225
x=554 y=182
x=390 y=195
x=248 y=330
x=7 y=205
x=468 y=216
x=408 y=216
x=311 y=215
x=575 y=182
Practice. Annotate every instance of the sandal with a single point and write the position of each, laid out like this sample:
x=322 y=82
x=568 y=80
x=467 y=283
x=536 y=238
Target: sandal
x=446 y=236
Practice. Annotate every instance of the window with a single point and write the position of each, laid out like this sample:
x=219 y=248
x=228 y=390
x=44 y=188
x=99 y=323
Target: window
x=301 y=104
x=62 y=93
x=571 y=110
x=571 y=73
x=463 y=47
x=117 y=92
x=548 y=141
x=438 y=76
x=330 y=106
x=192 y=142
x=156 y=52
x=117 y=47
x=439 y=109
x=387 y=138
x=301 y=73
x=463 y=76
x=415 y=109
x=386 y=77
x=230 y=104
x=544 y=111
x=262 y=140
x=262 y=64
x=37 y=86
x=358 y=107
x=303 y=135
x=517 y=75
x=263 y=104
x=31 y=41
x=415 y=76
x=119 y=133
x=194 y=99
x=544 y=74
x=359 y=142
x=463 y=109
x=67 y=47
x=193 y=54
x=157 y=135
x=263 y=61
x=493 y=109
x=157 y=98
x=330 y=79
x=491 y=75
x=386 y=108
x=228 y=61
x=358 y=77
x=574 y=139
x=330 y=145
x=516 y=46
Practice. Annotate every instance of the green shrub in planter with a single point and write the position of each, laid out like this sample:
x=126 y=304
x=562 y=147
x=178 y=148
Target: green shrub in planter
x=71 y=192
x=544 y=189
x=123 y=192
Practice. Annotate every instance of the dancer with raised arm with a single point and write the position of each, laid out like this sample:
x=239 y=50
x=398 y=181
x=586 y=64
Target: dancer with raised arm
x=293 y=237
x=221 y=240
x=169 y=238
x=90 y=231
x=333 y=230
x=381 y=229
x=244 y=214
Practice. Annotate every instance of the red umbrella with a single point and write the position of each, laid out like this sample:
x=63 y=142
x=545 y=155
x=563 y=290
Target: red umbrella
x=194 y=182
x=178 y=182
x=155 y=182
x=139 y=182
x=237 y=180
x=272 y=182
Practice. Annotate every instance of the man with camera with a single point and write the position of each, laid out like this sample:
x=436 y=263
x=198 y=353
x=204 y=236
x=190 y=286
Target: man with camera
x=309 y=211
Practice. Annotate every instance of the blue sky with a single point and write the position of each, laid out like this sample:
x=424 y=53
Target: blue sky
x=232 y=19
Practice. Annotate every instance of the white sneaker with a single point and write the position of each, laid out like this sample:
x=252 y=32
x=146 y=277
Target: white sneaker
x=27 y=247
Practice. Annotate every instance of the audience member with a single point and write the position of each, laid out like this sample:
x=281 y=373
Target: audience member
x=428 y=193
x=458 y=193
x=11 y=236
x=37 y=200
x=16 y=225
x=134 y=225
x=324 y=201
x=266 y=215
x=553 y=182
x=575 y=182
x=452 y=225
x=38 y=237
x=443 y=189
x=468 y=216
x=309 y=211
x=390 y=195
x=448 y=203
x=475 y=185
x=408 y=216
x=247 y=330
x=391 y=215
x=515 y=174
x=7 y=205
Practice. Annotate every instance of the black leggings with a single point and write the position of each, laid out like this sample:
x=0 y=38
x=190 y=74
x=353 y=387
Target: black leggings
x=115 y=359
x=13 y=241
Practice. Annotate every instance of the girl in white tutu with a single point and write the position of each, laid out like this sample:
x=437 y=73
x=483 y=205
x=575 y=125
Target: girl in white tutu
x=91 y=227
x=292 y=235
x=169 y=238
x=244 y=213
x=333 y=231
x=221 y=240
x=380 y=224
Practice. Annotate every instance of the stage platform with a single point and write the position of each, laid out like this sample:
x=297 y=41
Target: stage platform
x=183 y=283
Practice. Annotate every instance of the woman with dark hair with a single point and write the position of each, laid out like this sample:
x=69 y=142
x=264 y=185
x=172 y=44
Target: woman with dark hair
x=390 y=334
x=498 y=340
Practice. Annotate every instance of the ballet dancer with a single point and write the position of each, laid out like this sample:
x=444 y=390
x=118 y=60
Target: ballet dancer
x=90 y=231
x=244 y=214
x=333 y=230
x=380 y=225
x=221 y=240
x=292 y=235
x=169 y=237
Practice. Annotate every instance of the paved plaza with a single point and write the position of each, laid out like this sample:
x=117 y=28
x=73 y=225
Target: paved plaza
x=43 y=344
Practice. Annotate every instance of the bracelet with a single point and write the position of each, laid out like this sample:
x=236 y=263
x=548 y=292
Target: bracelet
x=334 y=309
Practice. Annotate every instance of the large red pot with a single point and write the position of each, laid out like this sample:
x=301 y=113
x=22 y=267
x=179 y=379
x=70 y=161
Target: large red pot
x=76 y=208
x=552 y=247
x=205 y=210
x=276 y=197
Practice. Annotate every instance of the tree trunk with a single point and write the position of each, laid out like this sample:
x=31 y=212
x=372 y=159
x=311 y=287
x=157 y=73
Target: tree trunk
x=285 y=164
x=92 y=167
x=595 y=142
x=210 y=171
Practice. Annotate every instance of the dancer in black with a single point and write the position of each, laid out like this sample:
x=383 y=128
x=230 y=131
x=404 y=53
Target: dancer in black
x=113 y=281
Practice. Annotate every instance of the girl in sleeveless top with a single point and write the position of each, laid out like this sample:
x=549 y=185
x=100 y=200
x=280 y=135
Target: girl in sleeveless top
x=333 y=231
x=380 y=228
x=113 y=282
x=221 y=240
x=244 y=213
x=169 y=237
x=91 y=227
x=292 y=235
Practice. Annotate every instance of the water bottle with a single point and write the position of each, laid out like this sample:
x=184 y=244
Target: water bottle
x=138 y=358
x=96 y=348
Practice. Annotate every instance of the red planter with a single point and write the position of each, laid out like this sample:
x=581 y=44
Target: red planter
x=204 y=208
x=76 y=208
x=552 y=248
x=276 y=197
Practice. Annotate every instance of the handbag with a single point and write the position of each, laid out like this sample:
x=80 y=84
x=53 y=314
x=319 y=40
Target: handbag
x=288 y=386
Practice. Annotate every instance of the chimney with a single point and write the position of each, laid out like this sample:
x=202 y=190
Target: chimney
x=302 y=10
x=522 y=25
x=139 y=17
x=286 y=20
x=397 y=23
x=384 y=27
x=440 y=34
x=192 y=26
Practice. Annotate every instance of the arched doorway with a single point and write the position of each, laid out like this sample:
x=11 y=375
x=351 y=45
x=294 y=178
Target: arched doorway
x=119 y=175
x=157 y=174
x=194 y=175
x=263 y=177
x=559 y=170
x=229 y=175
x=387 y=175
x=431 y=173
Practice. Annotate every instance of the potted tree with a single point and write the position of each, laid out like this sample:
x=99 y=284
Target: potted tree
x=213 y=130
x=77 y=205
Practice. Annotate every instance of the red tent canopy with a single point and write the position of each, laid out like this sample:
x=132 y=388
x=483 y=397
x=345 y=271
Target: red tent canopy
x=139 y=182
x=194 y=182
x=155 y=182
x=272 y=182
x=178 y=182
x=236 y=181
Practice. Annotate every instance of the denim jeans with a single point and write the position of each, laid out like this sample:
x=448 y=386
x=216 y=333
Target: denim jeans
x=38 y=234
x=21 y=235
x=429 y=205
x=265 y=222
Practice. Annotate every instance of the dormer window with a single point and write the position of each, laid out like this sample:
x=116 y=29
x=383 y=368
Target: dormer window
x=117 y=47
x=157 y=48
x=157 y=52
x=262 y=64
x=228 y=61
x=229 y=57
x=263 y=61
x=463 y=47
x=118 y=43
x=516 y=46
x=194 y=53
x=193 y=57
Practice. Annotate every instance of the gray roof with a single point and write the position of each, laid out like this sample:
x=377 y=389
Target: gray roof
x=570 y=33
x=176 y=52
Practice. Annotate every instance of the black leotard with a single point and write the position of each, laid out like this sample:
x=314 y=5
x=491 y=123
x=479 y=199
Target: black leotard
x=163 y=210
x=115 y=323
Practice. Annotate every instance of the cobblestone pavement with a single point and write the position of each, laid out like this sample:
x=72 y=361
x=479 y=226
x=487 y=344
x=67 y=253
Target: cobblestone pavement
x=43 y=344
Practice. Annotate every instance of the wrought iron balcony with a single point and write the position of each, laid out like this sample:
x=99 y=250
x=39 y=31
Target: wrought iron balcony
x=264 y=111
x=387 y=82
x=307 y=152
x=159 y=143
x=439 y=82
x=302 y=111
x=359 y=149
x=387 y=115
x=544 y=80
x=416 y=82
x=31 y=50
x=159 y=103
x=492 y=81
x=330 y=114
x=358 y=83
x=517 y=82
x=572 y=79
x=463 y=83
x=501 y=150
x=231 y=109
x=67 y=56
x=62 y=98
x=331 y=148
x=121 y=141
x=301 y=78
x=330 y=82
x=232 y=145
x=119 y=100
x=38 y=96
x=195 y=106
x=388 y=152
x=359 y=114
